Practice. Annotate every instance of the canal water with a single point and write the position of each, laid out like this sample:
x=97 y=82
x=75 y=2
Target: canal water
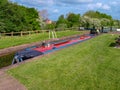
x=6 y=60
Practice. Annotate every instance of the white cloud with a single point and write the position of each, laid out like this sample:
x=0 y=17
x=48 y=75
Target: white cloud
x=114 y=3
x=72 y=2
x=37 y=2
x=106 y=7
x=55 y=11
x=84 y=1
x=99 y=6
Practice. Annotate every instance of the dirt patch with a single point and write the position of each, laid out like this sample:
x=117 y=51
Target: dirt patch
x=7 y=82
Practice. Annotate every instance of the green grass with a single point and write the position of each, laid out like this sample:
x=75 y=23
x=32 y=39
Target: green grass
x=91 y=65
x=17 y=40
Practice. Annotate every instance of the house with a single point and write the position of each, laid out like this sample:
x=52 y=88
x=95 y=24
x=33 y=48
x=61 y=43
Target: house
x=47 y=21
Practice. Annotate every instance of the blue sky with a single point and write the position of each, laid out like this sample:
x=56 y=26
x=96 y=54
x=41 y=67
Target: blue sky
x=57 y=7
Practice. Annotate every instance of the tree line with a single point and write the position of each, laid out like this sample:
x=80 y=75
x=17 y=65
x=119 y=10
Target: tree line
x=89 y=19
x=15 y=18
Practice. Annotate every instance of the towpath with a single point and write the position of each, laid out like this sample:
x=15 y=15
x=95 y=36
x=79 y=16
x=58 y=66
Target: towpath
x=7 y=82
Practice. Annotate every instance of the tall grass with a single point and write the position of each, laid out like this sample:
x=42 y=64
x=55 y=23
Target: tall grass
x=91 y=65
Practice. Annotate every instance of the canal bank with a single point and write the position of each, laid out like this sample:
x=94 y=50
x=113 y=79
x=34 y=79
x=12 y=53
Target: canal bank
x=7 y=54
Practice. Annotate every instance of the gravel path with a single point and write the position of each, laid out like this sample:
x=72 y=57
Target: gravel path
x=7 y=82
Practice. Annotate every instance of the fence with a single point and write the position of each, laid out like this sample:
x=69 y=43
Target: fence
x=22 y=33
x=33 y=32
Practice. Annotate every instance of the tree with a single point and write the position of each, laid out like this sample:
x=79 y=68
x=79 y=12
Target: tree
x=17 y=18
x=89 y=19
x=116 y=23
x=97 y=14
x=84 y=22
x=61 y=22
x=98 y=19
x=2 y=27
x=105 y=22
x=73 y=19
x=50 y=26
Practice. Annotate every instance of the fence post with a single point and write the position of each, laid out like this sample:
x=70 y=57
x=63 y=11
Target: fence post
x=43 y=31
x=11 y=33
x=4 y=34
x=21 y=34
x=0 y=35
x=37 y=32
x=29 y=33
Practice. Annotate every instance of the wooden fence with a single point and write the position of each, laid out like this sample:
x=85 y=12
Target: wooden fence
x=33 y=32
x=22 y=33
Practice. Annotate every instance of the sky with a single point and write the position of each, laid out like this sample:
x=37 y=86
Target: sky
x=55 y=8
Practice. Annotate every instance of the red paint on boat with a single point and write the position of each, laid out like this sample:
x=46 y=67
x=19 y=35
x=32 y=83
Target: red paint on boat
x=43 y=49
x=62 y=43
x=59 y=44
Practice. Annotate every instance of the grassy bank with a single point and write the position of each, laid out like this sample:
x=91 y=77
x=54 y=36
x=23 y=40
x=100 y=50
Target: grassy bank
x=17 y=40
x=6 y=60
x=91 y=65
